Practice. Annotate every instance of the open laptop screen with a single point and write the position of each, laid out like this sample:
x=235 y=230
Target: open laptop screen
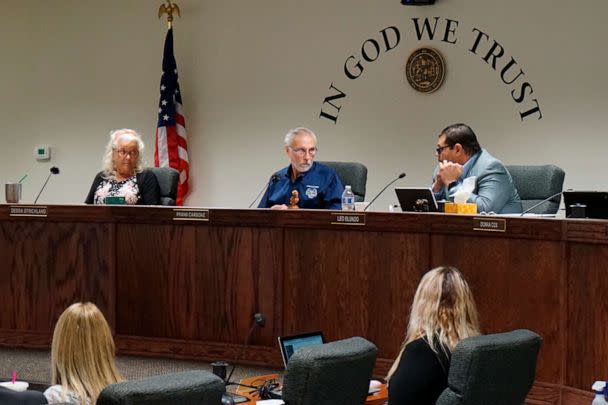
x=409 y=197
x=595 y=203
x=289 y=344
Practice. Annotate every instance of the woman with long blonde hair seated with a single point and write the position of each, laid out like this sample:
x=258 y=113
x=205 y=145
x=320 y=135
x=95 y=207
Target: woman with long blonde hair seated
x=82 y=356
x=442 y=314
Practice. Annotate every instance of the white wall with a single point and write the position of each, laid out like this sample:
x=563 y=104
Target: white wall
x=73 y=70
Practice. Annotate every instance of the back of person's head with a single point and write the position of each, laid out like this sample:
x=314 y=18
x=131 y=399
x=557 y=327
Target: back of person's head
x=462 y=134
x=82 y=353
x=443 y=311
x=443 y=308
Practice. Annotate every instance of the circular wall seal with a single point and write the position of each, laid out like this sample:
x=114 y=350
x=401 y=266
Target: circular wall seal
x=425 y=70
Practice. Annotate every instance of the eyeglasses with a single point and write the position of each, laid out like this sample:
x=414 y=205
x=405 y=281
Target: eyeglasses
x=441 y=148
x=123 y=153
x=302 y=151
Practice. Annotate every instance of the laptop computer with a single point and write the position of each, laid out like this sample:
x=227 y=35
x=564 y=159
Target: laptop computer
x=289 y=344
x=595 y=202
x=416 y=199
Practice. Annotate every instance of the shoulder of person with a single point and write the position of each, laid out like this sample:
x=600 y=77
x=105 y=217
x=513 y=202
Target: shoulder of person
x=324 y=169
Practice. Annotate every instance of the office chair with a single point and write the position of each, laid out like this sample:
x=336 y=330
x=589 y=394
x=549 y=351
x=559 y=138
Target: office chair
x=353 y=174
x=536 y=183
x=335 y=373
x=168 y=179
x=184 y=388
x=493 y=369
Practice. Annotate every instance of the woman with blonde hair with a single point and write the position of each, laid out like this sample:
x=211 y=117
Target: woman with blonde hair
x=443 y=313
x=82 y=356
x=122 y=172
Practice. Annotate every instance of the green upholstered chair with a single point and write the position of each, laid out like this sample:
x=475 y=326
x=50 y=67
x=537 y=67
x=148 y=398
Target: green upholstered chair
x=495 y=369
x=168 y=179
x=335 y=373
x=353 y=174
x=536 y=183
x=184 y=388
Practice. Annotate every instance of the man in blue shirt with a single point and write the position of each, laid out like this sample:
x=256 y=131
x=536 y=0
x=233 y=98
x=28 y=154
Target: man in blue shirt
x=460 y=156
x=318 y=185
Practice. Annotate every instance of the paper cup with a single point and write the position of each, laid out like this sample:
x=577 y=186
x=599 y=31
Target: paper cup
x=17 y=386
x=360 y=206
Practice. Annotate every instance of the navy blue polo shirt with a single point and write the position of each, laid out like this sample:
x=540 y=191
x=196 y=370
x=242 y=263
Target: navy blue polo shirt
x=318 y=188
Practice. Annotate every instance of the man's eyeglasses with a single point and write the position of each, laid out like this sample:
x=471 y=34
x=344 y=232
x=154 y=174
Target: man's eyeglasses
x=441 y=148
x=123 y=153
x=302 y=151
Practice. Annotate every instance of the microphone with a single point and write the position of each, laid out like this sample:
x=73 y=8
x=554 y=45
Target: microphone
x=402 y=175
x=273 y=179
x=542 y=202
x=258 y=320
x=54 y=170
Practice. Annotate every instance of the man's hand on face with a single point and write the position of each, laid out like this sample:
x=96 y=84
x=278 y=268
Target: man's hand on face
x=449 y=172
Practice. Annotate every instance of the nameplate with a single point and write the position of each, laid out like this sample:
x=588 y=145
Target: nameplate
x=490 y=224
x=352 y=218
x=190 y=214
x=25 y=211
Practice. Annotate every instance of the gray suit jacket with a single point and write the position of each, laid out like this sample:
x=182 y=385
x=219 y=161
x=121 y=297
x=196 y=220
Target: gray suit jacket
x=494 y=187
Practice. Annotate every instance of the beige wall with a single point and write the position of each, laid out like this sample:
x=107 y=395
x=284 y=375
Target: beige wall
x=73 y=70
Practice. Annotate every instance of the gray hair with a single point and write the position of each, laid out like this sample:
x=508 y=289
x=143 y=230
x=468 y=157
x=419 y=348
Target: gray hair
x=116 y=137
x=292 y=133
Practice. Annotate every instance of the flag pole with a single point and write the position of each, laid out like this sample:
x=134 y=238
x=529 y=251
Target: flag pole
x=169 y=9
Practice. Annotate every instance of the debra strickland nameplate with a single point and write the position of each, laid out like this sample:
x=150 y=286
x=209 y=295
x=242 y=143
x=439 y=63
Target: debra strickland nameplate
x=425 y=70
x=28 y=211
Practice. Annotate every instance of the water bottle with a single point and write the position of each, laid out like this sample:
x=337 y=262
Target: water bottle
x=348 y=199
x=601 y=389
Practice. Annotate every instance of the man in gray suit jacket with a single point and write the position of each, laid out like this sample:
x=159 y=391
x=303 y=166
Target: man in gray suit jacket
x=460 y=156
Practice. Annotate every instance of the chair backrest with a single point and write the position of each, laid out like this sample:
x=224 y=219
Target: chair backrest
x=189 y=387
x=29 y=397
x=168 y=179
x=335 y=373
x=353 y=174
x=535 y=183
x=493 y=369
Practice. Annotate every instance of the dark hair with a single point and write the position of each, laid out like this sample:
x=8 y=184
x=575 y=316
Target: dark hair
x=462 y=134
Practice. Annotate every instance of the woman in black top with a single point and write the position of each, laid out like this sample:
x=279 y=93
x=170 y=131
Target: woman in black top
x=122 y=174
x=443 y=313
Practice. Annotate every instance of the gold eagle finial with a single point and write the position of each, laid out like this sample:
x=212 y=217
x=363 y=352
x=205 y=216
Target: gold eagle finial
x=169 y=9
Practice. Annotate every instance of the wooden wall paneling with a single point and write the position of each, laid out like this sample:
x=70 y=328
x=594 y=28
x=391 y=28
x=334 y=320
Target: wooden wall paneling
x=587 y=354
x=197 y=282
x=517 y=284
x=47 y=266
x=352 y=283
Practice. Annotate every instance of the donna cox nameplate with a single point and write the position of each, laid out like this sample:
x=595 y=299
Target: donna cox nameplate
x=490 y=224
x=27 y=211
x=190 y=214
x=347 y=218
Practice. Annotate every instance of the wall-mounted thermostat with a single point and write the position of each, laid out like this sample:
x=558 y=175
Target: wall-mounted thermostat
x=42 y=152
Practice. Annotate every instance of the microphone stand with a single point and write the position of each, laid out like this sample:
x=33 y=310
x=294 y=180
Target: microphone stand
x=402 y=175
x=273 y=179
x=258 y=320
x=540 y=203
x=54 y=170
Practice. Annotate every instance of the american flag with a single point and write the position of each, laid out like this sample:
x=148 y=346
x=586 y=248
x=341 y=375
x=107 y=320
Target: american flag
x=171 y=138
